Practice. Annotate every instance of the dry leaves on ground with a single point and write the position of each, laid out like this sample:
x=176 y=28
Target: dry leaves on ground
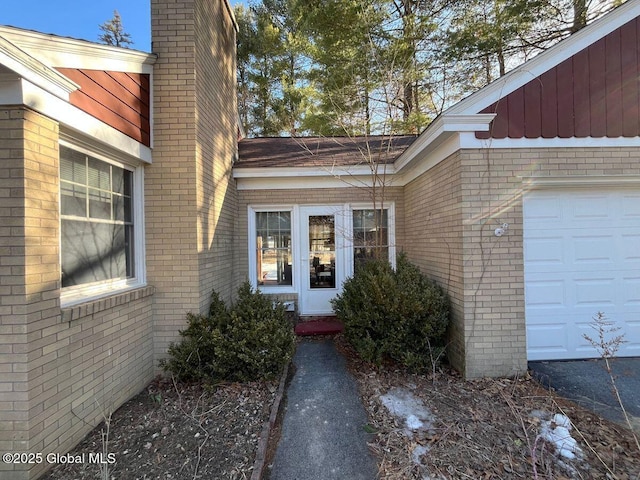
x=180 y=431
x=485 y=429
x=482 y=429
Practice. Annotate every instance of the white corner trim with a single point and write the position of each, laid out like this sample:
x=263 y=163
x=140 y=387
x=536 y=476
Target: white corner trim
x=34 y=70
x=478 y=122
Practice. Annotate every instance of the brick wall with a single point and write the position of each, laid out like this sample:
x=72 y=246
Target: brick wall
x=434 y=242
x=60 y=368
x=190 y=201
x=216 y=130
x=486 y=282
x=14 y=354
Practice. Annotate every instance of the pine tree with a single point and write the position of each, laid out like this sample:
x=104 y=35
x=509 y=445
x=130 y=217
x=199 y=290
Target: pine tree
x=113 y=32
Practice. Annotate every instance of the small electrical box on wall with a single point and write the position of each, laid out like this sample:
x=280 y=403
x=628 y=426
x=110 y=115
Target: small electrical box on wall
x=501 y=230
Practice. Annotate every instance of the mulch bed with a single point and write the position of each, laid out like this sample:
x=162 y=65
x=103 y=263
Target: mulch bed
x=486 y=429
x=481 y=429
x=180 y=431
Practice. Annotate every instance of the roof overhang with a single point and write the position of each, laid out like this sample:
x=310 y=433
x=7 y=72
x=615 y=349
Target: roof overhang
x=34 y=71
x=439 y=132
x=27 y=78
x=432 y=146
x=57 y=51
x=278 y=178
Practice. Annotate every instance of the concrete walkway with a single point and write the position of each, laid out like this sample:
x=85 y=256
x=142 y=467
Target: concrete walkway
x=323 y=436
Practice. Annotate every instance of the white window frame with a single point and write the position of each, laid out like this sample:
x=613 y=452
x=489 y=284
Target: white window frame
x=295 y=238
x=391 y=229
x=76 y=294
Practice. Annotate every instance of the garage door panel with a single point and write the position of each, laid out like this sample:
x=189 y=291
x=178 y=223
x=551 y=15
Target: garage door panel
x=630 y=206
x=630 y=247
x=545 y=294
x=593 y=249
x=544 y=208
x=546 y=339
x=582 y=256
x=589 y=208
x=545 y=251
x=595 y=293
x=632 y=336
x=559 y=341
x=630 y=292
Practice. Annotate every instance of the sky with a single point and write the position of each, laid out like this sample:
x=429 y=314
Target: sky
x=81 y=18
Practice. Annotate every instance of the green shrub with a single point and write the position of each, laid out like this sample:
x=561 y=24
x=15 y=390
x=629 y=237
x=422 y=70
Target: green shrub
x=398 y=314
x=251 y=340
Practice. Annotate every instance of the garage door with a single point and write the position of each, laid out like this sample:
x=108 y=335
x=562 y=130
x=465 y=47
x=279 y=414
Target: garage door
x=581 y=256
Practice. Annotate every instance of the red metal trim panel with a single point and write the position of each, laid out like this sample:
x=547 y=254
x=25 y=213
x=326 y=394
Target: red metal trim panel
x=119 y=99
x=595 y=93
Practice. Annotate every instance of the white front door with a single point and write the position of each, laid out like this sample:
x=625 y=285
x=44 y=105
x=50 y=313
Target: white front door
x=322 y=251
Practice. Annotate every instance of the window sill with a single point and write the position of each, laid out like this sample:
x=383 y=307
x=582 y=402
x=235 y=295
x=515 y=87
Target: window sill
x=95 y=305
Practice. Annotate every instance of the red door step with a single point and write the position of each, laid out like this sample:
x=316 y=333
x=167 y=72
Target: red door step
x=319 y=326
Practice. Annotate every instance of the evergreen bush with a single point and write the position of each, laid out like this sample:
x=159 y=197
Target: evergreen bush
x=252 y=340
x=398 y=314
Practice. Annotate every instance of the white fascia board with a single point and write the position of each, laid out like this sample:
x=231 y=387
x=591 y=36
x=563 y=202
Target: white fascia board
x=469 y=141
x=75 y=119
x=429 y=158
x=71 y=53
x=310 y=183
x=306 y=172
x=33 y=70
x=440 y=130
x=546 y=60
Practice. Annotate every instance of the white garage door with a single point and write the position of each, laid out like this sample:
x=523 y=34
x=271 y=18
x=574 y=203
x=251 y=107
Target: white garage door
x=581 y=256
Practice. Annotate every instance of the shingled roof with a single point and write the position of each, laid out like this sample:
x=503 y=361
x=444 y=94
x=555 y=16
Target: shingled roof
x=319 y=151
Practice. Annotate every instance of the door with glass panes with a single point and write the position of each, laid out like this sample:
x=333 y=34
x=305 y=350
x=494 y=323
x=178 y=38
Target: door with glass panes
x=321 y=256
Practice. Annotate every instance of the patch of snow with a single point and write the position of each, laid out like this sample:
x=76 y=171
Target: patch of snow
x=418 y=452
x=403 y=404
x=414 y=423
x=558 y=432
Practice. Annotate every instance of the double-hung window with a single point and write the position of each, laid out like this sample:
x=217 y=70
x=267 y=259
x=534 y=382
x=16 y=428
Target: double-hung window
x=96 y=222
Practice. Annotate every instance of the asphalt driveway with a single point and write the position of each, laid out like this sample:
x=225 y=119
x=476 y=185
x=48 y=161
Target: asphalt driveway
x=587 y=383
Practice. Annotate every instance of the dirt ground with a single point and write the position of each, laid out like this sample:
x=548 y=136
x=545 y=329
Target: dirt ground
x=179 y=431
x=486 y=429
x=483 y=429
